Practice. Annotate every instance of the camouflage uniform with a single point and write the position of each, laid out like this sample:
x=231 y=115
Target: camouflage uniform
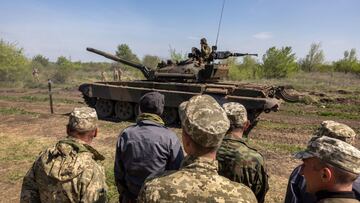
x=35 y=74
x=69 y=171
x=338 y=154
x=103 y=76
x=296 y=189
x=238 y=161
x=205 y=50
x=197 y=181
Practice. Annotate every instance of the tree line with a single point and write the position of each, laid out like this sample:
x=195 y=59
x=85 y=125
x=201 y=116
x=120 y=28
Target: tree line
x=16 y=68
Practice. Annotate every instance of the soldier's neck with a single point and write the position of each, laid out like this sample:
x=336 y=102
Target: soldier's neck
x=236 y=133
x=210 y=155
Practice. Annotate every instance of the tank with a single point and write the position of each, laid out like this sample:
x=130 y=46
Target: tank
x=179 y=81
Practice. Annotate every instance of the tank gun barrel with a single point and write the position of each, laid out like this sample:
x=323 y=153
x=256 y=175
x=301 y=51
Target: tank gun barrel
x=227 y=54
x=145 y=70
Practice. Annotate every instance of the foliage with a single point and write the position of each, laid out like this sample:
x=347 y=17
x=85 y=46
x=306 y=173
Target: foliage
x=278 y=63
x=64 y=70
x=151 y=61
x=124 y=51
x=14 y=66
x=41 y=60
x=176 y=56
x=314 y=59
x=248 y=69
x=349 y=63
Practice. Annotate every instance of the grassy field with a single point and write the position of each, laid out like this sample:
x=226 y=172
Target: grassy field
x=27 y=127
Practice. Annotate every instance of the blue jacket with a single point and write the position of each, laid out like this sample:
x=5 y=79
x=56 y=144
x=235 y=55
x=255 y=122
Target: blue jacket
x=296 y=189
x=142 y=150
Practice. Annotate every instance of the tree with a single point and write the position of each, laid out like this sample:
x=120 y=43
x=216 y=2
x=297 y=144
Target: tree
x=124 y=51
x=349 y=63
x=13 y=63
x=314 y=59
x=151 y=61
x=62 y=60
x=176 y=56
x=278 y=63
x=41 y=60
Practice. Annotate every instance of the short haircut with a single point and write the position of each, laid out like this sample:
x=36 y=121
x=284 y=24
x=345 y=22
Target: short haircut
x=341 y=176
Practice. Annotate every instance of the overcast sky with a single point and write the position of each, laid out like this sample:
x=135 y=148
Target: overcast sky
x=66 y=28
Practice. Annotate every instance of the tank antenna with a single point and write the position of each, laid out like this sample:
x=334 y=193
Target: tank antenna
x=217 y=35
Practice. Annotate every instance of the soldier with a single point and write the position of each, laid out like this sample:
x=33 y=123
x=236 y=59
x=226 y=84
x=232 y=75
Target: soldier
x=296 y=189
x=330 y=166
x=70 y=171
x=35 y=74
x=238 y=161
x=147 y=148
x=116 y=74
x=205 y=50
x=120 y=73
x=103 y=76
x=204 y=124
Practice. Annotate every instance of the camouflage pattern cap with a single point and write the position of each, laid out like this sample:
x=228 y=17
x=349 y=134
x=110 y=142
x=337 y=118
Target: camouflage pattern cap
x=203 y=119
x=83 y=119
x=336 y=130
x=236 y=113
x=334 y=152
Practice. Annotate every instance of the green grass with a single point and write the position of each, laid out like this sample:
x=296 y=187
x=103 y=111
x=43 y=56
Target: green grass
x=341 y=115
x=16 y=111
x=276 y=147
x=35 y=99
x=279 y=126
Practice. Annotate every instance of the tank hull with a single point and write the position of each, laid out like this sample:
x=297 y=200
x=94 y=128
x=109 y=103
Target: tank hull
x=119 y=100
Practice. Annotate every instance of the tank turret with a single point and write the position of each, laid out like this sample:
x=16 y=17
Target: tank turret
x=195 y=69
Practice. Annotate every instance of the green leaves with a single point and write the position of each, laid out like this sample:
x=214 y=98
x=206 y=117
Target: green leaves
x=278 y=63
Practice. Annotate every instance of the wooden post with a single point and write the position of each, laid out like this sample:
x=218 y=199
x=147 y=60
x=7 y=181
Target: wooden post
x=50 y=96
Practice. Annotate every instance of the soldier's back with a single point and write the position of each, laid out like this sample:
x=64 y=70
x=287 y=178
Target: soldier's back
x=67 y=172
x=196 y=182
x=243 y=164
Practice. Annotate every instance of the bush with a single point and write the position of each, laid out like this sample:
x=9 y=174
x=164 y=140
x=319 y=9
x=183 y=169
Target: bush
x=14 y=66
x=278 y=63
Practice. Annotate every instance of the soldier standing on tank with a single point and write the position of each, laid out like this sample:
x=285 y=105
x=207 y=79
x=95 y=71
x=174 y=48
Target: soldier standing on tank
x=238 y=161
x=35 y=74
x=204 y=124
x=71 y=170
x=205 y=50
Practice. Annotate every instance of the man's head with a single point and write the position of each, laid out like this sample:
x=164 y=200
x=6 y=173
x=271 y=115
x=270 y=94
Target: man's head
x=83 y=123
x=152 y=102
x=237 y=115
x=336 y=130
x=329 y=163
x=203 y=41
x=204 y=124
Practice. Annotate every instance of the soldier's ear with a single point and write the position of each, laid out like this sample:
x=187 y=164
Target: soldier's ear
x=246 y=125
x=326 y=175
x=95 y=132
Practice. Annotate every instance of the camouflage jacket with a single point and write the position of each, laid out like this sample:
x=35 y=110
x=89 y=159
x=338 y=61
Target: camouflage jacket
x=196 y=181
x=240 y=163
x=67 y=172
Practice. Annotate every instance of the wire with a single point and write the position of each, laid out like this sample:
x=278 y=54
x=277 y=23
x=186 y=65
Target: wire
x=222 y=10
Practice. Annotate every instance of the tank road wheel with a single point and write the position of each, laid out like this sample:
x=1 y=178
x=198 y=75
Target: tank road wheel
x=104 y=108
x=170 y=115
x=124 y=110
